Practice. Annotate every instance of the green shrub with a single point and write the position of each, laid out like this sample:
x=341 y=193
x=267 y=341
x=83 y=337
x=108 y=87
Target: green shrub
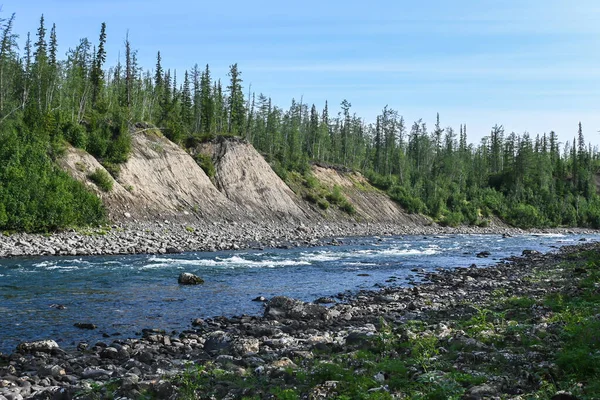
x=310 y=181
x=347 y=207
x=112 y=168
x=453 y=219
x=75 y=134
x=525 y=216
x=102 y=179
x=311 y=197
x=336 y=196
x=35 y=195
x=411 y=204
x=206 y=163
x=280 y=170
x=323 y=204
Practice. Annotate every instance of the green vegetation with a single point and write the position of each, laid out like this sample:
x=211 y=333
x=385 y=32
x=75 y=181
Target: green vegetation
x=102 y=179
x=206 y=163
x=310 y=189
x=527 y=181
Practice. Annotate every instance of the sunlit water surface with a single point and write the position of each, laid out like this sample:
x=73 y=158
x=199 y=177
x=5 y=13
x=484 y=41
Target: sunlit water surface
x=124 y=294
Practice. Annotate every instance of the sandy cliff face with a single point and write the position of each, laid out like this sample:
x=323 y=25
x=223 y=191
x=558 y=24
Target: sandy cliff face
x=162 y=181
x=159 y=181
x=246 y=179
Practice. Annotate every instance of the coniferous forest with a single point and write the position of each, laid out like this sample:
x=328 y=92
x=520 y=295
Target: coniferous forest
x=49 y=99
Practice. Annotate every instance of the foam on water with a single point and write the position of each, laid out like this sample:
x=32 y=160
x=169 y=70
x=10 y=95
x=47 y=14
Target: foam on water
x=321 y=257
x=227 y=263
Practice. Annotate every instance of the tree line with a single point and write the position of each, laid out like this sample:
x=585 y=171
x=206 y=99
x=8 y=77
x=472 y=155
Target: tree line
x=47 y=101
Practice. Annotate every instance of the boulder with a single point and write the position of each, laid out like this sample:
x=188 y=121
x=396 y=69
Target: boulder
x=529 y=252
x=287 y=308
x=83 y=325
x=44 y=346
x=186 y=278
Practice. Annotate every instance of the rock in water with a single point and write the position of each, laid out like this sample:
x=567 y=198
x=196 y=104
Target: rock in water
x=529 y=252
x=84 y=325
x=189 y=279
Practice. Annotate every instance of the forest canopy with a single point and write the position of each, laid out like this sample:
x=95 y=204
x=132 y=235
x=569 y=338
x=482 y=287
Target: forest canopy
x=47 y=101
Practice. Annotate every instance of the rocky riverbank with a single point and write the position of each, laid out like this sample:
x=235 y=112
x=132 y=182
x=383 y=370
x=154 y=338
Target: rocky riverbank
x=170 y=237
x=499 y=332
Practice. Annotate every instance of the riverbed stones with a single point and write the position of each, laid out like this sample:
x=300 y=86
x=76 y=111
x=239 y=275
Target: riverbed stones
x=187 y=278
x=172 y=237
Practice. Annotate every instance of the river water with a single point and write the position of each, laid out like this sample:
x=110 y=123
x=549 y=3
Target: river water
x=124 y=294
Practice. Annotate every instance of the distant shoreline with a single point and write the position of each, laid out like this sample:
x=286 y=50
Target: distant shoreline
x=166 y=237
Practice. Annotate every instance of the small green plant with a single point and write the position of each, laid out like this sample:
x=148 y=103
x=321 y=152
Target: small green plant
x=79 y=166
x=311 y=197
x=102 y=179
x=424 y=349
x=206 y=163
x=113 y=169
x=347 y=207
x=335 y=196
x=323 y=204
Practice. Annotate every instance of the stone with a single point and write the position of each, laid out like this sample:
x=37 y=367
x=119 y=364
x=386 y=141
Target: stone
x=283 y=363
x=110 y=353
x=186 y=278
x=94 y=373
x=285 y=307
x=324 y=300
x=83 y=325
x=481 y=392
x=51 y=370
x=44 y=346
x=246 y=346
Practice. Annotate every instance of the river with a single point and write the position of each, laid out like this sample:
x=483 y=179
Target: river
x=124 y=294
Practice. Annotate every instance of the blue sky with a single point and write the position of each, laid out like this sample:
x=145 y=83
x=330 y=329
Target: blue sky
x=529 y=65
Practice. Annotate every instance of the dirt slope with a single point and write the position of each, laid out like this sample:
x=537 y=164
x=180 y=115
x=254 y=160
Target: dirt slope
x=160 y=180
x=246 y=179
x=371 y=204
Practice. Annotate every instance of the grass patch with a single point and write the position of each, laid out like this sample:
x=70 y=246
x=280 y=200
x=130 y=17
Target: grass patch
x=102 y=179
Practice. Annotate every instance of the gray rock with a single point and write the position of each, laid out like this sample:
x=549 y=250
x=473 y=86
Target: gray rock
x=45 y=346
x=285 y=307
x=246 y=346
x=94 y=373
x=51 y=370
x=186 y=278
x=110 y=353
x=481 y=392
x=84 y=325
